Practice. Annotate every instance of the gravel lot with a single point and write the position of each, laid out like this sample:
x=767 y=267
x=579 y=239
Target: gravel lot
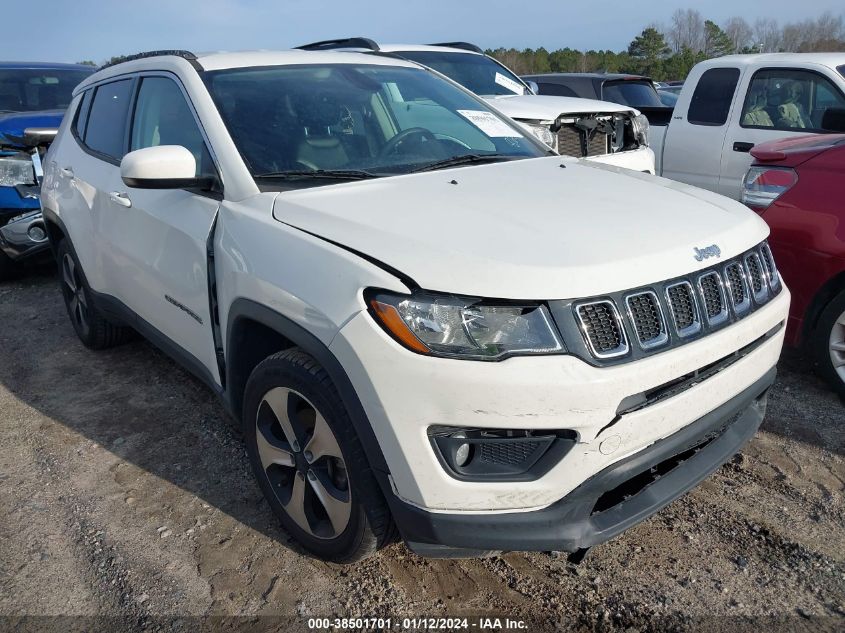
x=125 y=494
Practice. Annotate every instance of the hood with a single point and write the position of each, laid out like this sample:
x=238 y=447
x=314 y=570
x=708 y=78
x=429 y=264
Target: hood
x=548 y=108
x=791 y=152
x=527 y=229
x=12 y=125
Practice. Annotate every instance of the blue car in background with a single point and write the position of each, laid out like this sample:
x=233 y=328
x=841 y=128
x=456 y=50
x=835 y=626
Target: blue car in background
x=33 y=100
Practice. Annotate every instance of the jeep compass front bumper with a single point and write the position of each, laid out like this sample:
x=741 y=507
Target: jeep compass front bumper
x=609 y=502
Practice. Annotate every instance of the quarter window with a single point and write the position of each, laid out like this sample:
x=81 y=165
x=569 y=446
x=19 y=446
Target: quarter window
x=163 y=117
x=786 y=99
x=711 y=101
x=107 y=121
x=82 y=114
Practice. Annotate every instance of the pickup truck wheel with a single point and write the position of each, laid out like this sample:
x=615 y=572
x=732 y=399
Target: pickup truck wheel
x=829 y=343
x=309 y=462
x=92 y=328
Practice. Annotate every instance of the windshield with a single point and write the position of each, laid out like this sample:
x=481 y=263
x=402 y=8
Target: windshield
x=637 y=94
x=477 y=73
x=31 y=90
x=345 y=118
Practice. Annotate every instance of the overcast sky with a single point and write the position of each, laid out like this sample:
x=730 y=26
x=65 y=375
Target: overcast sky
x=73 y=30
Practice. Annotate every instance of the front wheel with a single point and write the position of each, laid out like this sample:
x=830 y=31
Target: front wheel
x=829 y=343
x=309 y=462
x=91 y=326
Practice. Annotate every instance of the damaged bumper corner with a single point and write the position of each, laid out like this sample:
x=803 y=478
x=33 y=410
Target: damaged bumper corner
x=24 y=236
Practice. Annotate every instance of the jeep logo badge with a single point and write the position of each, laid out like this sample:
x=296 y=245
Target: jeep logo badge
x=707 y=252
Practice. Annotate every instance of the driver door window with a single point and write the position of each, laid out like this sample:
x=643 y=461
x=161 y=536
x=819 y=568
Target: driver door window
x=163 y=117
x=789 y=100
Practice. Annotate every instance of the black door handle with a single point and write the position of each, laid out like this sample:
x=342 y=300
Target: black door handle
x=739 y=146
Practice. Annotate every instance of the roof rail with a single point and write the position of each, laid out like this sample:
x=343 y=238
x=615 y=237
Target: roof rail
x=188 y=55
x=349 y=42
x=462 y=45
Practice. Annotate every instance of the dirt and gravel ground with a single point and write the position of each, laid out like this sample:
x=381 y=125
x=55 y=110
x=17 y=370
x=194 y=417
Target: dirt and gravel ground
x=125 y=494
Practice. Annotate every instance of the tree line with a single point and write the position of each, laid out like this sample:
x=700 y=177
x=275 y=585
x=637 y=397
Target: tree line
x=669 y=51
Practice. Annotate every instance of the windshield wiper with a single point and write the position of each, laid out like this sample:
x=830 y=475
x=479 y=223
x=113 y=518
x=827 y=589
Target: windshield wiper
x=335 y=174
x=465 y=159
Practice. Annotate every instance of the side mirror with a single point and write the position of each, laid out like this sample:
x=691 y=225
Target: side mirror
x=39 y=136
x=833 y=120
x=162 y=167
x=534 y=87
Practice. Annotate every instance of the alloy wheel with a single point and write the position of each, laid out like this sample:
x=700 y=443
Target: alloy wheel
x=836 y=346
x=303 y=463
x=75 y=294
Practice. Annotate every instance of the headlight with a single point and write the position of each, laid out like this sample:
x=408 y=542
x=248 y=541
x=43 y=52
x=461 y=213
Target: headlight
x=16 y=170
x=641 y=125
x=543 y=133
x=461 y=327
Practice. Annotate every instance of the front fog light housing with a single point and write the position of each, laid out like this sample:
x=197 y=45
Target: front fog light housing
x=461 y=327
x=473 y=454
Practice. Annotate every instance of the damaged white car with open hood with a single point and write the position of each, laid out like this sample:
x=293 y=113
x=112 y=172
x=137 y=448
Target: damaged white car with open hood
x=600 y=131
x=427 y=324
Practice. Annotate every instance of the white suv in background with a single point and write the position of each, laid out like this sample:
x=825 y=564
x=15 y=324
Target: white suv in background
x=426 y=325
x=600 y=131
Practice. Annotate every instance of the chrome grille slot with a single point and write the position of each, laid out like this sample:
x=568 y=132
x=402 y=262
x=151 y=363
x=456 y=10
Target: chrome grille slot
x=647 y=317
x=738 y=287
x=769 y=266
x=756 y=277
x=684 y=310
x=602 y=329
x=713 y=297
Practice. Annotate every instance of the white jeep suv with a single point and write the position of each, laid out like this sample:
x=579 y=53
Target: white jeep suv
x=426 y=325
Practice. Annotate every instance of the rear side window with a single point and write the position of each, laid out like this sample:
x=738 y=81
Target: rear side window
x=711 y=101
x=82 y=114
x=107 y=120
x=556 y=90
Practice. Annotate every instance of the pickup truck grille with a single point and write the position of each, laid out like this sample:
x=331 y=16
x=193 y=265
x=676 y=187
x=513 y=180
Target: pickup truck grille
x=674 y=312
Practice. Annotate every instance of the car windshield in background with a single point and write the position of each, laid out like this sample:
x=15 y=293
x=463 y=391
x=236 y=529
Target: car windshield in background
x=637 y=94
x=316 y=123
x=477 y=73
x=30 y=90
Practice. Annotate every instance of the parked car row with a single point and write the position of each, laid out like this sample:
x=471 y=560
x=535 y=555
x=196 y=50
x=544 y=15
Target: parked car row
x=427 y=322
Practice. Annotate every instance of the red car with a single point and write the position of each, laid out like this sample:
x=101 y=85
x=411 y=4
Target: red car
x=798 y=186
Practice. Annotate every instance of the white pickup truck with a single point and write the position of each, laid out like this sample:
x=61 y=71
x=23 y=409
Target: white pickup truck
x=731 y=103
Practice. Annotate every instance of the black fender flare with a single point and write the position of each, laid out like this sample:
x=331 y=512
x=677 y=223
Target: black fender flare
x=242 y=309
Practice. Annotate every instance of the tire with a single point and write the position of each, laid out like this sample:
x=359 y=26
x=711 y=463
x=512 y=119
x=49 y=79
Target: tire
x=309 y=461
x=8 y=268
x=92 y=328
x=828 y=343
